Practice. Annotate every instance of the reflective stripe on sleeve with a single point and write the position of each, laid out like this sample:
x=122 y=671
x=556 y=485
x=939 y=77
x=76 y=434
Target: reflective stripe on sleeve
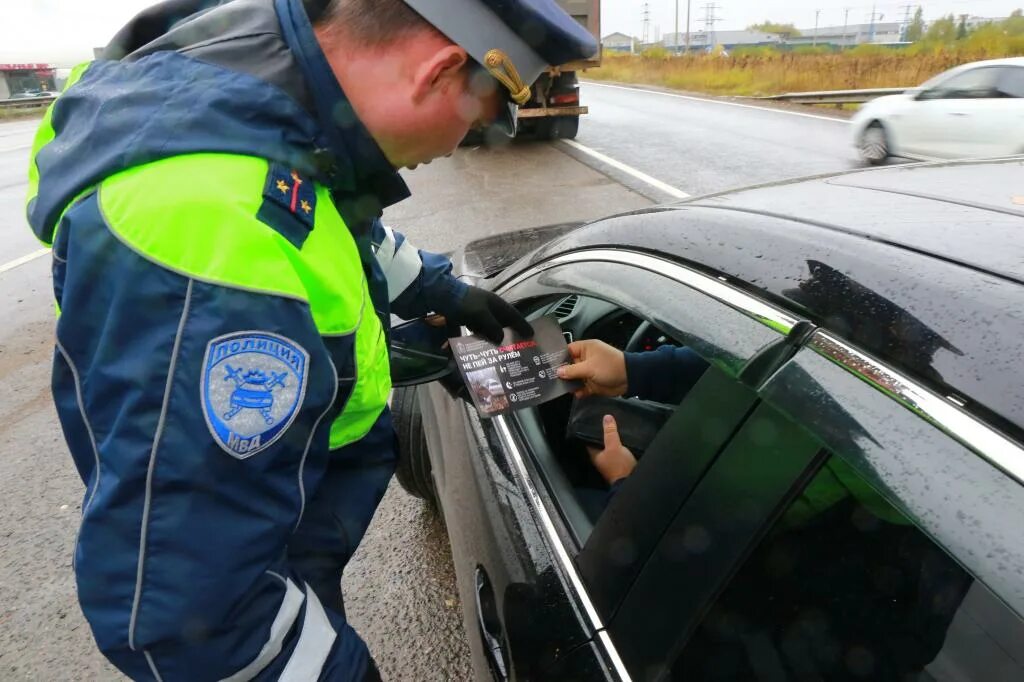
x=314 y=645
x=283 y=622
x=400 y=262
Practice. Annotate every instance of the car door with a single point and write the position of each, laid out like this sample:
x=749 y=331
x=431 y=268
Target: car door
x=857 y=526
x=741 y=339
x=957 y=117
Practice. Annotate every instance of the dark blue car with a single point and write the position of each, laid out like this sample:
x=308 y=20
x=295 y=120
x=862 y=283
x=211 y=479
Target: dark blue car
x=838 y=497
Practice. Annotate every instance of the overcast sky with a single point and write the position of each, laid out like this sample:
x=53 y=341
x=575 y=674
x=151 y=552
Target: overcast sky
x=63 y=32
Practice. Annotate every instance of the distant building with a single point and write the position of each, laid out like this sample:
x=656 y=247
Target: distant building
x=18 y=78
x=617 y=42
x=700 y=41
x=975 y=22
x=878 y=33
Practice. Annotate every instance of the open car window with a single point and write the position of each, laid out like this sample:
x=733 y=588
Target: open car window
x=708 y=344
x=568 y=431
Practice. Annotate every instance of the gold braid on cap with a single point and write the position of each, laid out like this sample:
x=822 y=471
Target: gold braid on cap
x=501 y=67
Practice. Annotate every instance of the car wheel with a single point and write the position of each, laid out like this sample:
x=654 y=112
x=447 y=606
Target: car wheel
x=565 y=127
x=874 y=144
x=413 y=470
x=558 y=128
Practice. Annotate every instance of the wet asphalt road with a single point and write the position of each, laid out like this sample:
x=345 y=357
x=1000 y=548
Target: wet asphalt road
x=400 y=587
x=701 y=145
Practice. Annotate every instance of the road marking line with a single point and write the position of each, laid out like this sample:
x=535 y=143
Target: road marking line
x=629 y=170
x=718 y=101
x=24 y=259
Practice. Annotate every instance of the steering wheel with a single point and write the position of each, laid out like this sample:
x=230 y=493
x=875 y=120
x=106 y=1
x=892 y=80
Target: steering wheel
x=635 y=341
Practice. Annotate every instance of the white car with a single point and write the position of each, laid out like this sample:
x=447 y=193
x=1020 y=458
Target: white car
x=974 y=110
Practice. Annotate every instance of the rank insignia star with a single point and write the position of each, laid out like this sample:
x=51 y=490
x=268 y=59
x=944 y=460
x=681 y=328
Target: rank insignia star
x=289 y=202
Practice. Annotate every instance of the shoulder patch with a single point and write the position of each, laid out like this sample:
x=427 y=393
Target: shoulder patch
x=288 y=198
x=252 y=387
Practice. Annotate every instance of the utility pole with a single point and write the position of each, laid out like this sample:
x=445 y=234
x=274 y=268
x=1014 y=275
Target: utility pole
x=687 y=26
x=846 y=23
x=906 y=22
x=710 y=19
x=874 y=15
x=646 y=14
x=675 y=36
x=814 y=40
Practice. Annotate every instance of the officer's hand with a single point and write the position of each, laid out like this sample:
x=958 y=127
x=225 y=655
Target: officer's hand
x=615 y=462
x=601 y=368
x=486 y=314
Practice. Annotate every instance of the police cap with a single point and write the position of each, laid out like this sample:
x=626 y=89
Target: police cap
x=514 y=40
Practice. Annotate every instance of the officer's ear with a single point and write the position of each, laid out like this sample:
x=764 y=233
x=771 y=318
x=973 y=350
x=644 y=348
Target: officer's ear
x=440 y=73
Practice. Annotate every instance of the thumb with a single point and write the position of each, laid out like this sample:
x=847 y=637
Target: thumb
x=611 y=433
x=580 y=370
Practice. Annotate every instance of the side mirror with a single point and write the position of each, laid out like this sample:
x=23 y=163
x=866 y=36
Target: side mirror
x=420 y=353
x=932 y=93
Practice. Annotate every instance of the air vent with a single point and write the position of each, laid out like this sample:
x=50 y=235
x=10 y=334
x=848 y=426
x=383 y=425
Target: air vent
x=566 y=306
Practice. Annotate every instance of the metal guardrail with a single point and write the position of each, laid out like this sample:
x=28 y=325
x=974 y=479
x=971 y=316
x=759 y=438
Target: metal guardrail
x=25 y=102
x=834 y=96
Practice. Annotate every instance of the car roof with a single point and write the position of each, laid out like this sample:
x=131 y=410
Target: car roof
x=921 y=266
x=1009 y=61
x=968 y=212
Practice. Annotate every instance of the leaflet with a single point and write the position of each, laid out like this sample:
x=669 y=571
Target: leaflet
x=517 y=373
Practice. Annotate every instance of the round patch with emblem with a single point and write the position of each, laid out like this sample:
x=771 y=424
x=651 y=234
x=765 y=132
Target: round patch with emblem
x=253 y=384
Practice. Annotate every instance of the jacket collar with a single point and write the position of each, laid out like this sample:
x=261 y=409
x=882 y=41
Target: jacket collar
x=356 y=167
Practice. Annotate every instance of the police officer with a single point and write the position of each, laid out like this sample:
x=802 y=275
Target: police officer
x=212 y=189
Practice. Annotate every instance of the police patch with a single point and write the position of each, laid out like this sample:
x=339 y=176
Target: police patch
x=253 y=384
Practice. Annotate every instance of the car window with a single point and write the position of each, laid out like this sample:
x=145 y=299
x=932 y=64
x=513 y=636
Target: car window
x=568 y=432
x=1011 y=81
x=844 y=586
x=701 y=356
x=833 y=514
x=858 y=409
x=970 y=84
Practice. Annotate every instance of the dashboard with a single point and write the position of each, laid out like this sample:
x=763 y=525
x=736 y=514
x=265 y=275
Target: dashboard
x=583 y=317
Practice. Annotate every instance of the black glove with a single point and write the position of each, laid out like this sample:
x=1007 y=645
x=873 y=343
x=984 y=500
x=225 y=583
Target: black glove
x=486 y=313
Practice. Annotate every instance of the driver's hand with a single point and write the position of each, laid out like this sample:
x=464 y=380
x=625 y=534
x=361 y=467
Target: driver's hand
x=601 y=368
x=615 y=462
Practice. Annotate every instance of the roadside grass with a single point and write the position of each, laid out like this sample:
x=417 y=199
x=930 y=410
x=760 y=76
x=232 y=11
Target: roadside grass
x=765 y=71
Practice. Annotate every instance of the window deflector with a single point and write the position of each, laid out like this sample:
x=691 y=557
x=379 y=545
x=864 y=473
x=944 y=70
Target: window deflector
x=904 y=453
